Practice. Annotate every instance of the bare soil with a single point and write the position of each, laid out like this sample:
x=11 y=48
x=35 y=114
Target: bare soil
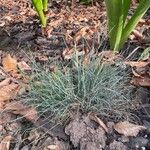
x=21 y=34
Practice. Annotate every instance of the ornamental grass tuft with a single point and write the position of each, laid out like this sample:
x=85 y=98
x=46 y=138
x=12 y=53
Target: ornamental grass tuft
x=94 y=87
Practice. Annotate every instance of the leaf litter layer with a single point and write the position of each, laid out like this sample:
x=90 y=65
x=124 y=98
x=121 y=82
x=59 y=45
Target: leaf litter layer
x=93 y=87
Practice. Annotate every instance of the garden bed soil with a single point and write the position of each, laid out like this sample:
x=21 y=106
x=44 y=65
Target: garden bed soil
x=21 y=35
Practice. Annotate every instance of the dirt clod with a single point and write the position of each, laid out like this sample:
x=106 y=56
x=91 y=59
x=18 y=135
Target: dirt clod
x=87 y=137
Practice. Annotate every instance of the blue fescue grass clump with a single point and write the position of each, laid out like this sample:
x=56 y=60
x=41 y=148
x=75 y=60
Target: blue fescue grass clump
x=92 y=87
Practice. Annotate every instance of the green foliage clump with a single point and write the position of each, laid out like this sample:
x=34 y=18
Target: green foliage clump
x=119 y=26
x=95 y=87
x=41 y=7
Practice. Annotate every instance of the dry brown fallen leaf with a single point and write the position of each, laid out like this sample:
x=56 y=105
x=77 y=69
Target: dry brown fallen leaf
x=137 y=34
x=141 y=81
x=42 y=58
x=9 y=92
x=82 y=33
x=18 y=108
x=29 y=113
x=135 y=73
x=15 y=105
x=128 y=129
x=109 y=57
x=138 y=64
x=5 y=143
x=106 y=54
x=23 y=66
x=9 y=64
x=69 y=53
x=5 y=82
x=140 y=70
